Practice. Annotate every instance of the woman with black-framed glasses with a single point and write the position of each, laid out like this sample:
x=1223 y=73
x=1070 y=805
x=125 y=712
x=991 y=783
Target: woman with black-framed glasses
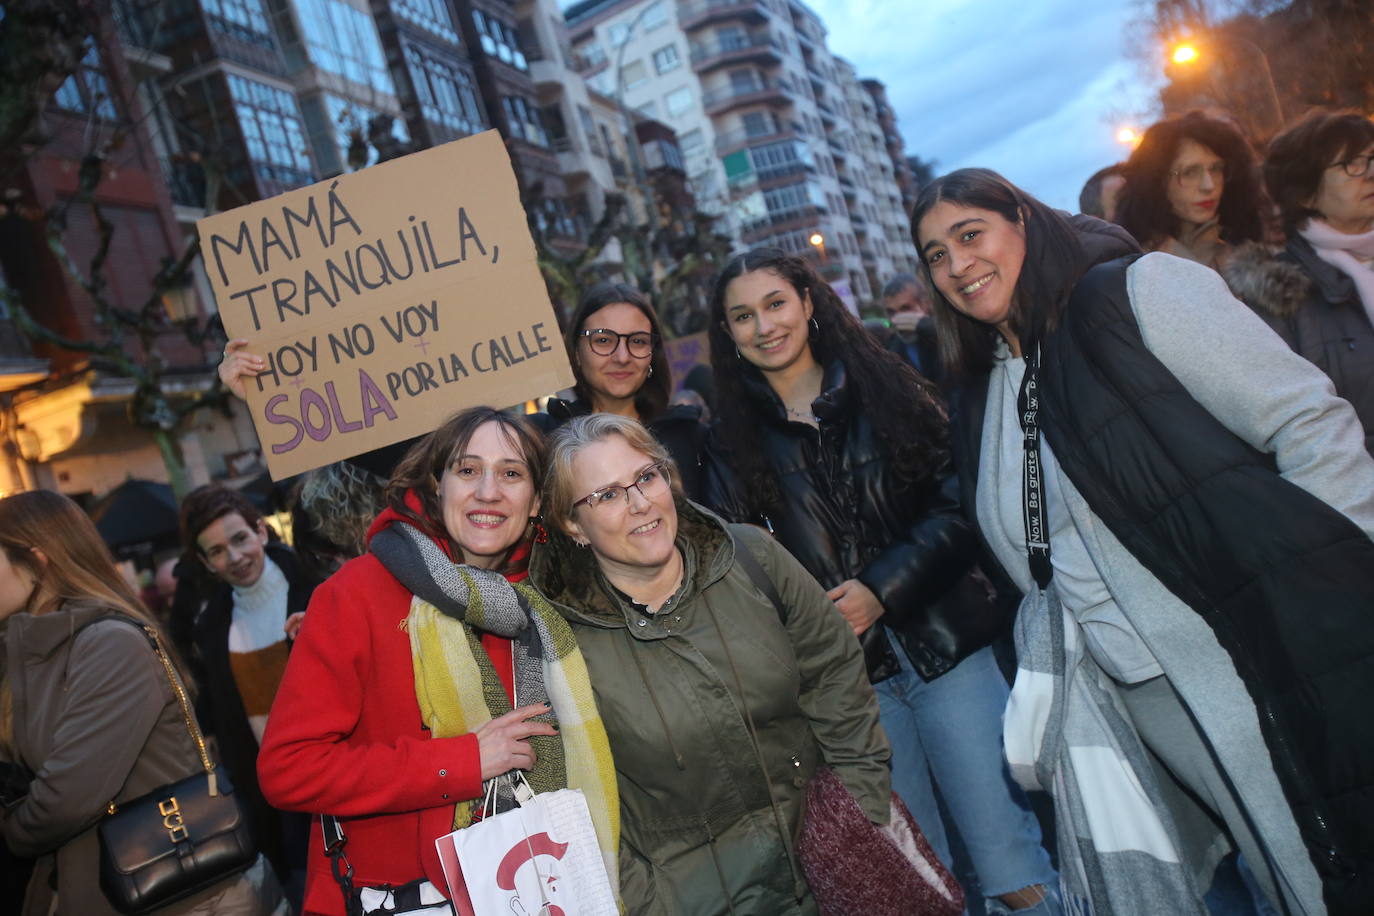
x=1193 y=190
x=1318 y=292
x=615 y=344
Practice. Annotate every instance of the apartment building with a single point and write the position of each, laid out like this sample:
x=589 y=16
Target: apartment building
x=776 y=132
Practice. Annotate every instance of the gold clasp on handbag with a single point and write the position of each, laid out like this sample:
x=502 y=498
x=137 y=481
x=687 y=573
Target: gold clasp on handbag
x=171 y=819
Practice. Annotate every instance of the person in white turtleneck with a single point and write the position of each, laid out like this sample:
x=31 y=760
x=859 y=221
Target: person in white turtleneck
x=247 y=611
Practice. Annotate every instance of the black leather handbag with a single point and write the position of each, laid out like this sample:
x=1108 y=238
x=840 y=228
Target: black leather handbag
x=177 y=840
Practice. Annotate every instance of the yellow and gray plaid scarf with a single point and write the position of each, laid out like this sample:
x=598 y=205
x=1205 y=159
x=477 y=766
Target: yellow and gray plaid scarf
x=458 y=689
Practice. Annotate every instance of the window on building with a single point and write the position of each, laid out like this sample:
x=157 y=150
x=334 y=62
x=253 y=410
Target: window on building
x=655 y=16
x=666 y=58
x=343 y=39
x=428 y=14
x=662 y=154
x=86 y=89
x=633 y=74
x=678 y=102
x=584 y=116
x=272 y=131
x=445 y=92
x=499 y=40
x=759 y=124
x=244 y=19
x=331 y=121
x=593 y=55
x=744 y=80
x=524 y=120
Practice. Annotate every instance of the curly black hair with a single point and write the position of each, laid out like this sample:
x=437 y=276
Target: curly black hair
x=907 y=416
x=1143 y=207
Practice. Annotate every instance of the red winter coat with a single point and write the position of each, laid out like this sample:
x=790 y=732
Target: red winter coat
x=344 y=736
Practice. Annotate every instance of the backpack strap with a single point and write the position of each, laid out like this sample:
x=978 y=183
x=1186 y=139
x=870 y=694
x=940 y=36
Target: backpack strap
x=754 y=569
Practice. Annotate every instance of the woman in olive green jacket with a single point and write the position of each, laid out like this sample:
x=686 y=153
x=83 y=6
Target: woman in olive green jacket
x=719 y=707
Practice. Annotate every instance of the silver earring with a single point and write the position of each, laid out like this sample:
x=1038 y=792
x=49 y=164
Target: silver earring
x=738 y=355
x=651 y=371
x=815 y=325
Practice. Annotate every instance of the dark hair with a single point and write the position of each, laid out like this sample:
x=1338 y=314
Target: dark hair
x=1090 y=198
x=1298 y=157
x=419 y=471
x=1143 y=208
x=1054 y=263
x=205 y=505
x=652 y=397
x=899 y=282
x=910 y=423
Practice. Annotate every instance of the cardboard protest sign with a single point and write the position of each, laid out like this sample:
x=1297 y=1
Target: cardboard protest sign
x=384 y=300
x=686 y=353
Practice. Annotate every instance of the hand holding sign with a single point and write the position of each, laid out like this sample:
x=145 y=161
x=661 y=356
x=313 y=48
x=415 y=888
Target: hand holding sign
x=366 y=309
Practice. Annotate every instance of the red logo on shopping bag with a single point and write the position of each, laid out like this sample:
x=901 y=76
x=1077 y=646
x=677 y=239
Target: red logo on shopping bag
x=525 y=851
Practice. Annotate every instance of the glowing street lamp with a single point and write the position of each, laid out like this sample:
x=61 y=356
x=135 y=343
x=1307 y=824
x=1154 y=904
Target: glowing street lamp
x=1185 y=54
x=1128 y=136
x=818 y=240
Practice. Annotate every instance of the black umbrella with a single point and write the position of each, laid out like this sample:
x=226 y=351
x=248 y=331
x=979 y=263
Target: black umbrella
x=136 y=512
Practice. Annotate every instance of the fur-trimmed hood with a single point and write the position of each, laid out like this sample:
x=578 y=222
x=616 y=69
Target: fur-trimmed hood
x=1267 y=283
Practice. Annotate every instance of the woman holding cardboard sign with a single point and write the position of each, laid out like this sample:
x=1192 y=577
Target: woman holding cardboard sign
x=396 y=705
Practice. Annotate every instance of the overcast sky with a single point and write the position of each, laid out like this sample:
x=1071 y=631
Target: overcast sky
x=1035 y=89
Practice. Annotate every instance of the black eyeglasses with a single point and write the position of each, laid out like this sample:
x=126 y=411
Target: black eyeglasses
x=1355 y=166
x=650 y=482
x=604 y=342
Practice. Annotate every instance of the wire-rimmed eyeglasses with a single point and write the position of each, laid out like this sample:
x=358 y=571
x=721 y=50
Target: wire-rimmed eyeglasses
x=650 y=482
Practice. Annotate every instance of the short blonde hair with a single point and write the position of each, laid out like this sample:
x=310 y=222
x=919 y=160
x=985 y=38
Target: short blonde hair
x=570 y=439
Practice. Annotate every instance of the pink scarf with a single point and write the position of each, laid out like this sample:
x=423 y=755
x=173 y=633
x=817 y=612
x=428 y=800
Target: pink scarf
x=1345 y=252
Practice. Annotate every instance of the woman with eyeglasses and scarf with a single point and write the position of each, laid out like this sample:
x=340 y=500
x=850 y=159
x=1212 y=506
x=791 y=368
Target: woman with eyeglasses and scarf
x=615 y=345
x=1318 y=292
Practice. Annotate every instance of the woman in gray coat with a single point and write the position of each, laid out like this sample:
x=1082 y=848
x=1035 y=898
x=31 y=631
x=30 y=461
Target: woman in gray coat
x=87 y=714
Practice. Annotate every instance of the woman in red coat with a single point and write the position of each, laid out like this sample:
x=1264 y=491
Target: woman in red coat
x=387 y=717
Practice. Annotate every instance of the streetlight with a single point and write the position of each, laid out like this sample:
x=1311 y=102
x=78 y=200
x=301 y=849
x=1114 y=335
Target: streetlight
x=1186 y=53
x=1128 y=136
x=818 y=241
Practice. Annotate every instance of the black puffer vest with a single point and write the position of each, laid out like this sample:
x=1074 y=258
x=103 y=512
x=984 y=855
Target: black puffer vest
x=1284 y=580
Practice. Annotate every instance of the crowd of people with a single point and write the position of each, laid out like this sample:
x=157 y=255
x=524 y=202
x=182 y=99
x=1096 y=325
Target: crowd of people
x=1088 y=513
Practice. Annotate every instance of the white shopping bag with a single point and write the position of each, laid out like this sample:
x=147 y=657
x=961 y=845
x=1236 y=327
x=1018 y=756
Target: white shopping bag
x=538 y=859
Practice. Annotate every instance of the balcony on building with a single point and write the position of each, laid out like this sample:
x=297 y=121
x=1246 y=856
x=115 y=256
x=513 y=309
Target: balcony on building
x=761 y=48
x=692 y=16
x=775 y=222
x=758 y=91
x=773 y=130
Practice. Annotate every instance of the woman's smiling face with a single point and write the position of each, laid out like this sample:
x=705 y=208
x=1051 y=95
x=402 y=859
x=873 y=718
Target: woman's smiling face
x=768 y=319
x=975 y=258
x=487 y=496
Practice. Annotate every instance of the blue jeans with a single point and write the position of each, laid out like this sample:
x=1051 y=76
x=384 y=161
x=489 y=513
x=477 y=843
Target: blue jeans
x=948 y=732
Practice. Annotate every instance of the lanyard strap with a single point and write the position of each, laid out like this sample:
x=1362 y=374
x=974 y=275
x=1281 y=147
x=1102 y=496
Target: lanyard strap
x=1032 y=483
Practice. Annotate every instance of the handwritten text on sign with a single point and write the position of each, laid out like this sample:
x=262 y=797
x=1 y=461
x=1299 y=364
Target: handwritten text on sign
x=384 y=300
